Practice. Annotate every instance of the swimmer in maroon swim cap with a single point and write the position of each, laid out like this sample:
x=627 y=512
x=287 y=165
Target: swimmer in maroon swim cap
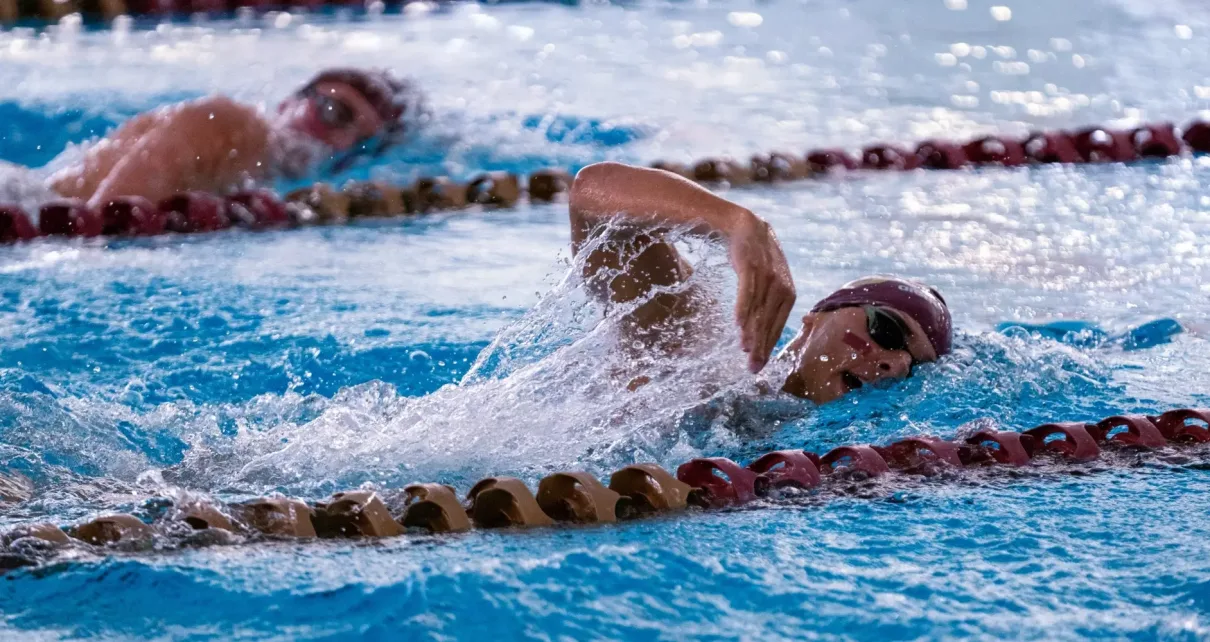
x=215 y=144
x=869 y=330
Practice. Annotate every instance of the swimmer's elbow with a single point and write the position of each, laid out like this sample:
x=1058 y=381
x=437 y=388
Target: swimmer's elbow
x=591 y=183
x=596 y=174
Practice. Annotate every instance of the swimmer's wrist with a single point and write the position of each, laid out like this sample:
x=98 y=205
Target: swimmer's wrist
x=743 y=222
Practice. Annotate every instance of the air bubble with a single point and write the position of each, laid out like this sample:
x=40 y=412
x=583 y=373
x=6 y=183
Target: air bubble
x=420 y=357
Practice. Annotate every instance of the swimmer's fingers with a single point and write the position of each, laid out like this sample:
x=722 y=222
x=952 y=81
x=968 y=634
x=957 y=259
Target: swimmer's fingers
x=758 y=318
x=763 y=283
x=786 y=304
x=775 y=309
x=754 y=283
x=756 y=313
x=744 y=300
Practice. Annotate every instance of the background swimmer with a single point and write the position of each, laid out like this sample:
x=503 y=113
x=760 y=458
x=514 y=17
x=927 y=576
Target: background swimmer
x=215 y=144
x=869 y=330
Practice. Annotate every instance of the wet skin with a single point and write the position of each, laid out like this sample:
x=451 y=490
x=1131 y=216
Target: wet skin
x=212 y=144
x=832 y=353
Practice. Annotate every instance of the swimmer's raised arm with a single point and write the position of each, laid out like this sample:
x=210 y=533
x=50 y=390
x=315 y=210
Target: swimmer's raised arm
x=649 y=202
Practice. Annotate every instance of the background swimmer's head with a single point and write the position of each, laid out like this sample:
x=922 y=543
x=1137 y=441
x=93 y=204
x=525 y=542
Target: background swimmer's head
x=346 y=109
x=869 y=330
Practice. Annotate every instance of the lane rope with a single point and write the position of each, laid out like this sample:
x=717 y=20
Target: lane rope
x=46 y=11
x=576 y=497
x=197 y=212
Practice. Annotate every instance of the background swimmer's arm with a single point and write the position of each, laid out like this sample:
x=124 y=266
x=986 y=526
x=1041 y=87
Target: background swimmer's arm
x=81 y=179
x=207 y=144
x=648 y=202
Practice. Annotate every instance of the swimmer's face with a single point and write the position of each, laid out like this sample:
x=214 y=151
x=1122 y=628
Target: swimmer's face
x=840 y=351
x=333 y=113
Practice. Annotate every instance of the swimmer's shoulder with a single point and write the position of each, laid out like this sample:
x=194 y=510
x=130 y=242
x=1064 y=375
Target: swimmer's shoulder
x=222 y=130
x=217 y=118
x=218 y=114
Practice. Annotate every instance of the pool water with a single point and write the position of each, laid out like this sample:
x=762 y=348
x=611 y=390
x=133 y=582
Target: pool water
x=457 y=346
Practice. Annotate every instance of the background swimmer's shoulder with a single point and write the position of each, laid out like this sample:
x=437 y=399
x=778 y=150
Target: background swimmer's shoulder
x=219 y=115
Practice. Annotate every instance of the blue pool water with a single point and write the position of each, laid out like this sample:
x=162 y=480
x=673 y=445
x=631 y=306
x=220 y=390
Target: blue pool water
x=452 y=347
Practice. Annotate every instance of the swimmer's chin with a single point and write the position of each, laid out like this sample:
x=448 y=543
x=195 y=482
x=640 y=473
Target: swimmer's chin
x=828 y=391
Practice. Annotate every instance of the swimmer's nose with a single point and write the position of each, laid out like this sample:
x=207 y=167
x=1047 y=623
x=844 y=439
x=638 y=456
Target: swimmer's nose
x=895 y=364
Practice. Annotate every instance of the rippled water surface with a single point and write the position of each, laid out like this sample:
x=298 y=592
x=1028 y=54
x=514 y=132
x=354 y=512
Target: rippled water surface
x=452 y=347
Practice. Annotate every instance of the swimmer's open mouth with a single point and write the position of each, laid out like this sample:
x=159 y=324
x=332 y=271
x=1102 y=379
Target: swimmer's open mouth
x=850 y=381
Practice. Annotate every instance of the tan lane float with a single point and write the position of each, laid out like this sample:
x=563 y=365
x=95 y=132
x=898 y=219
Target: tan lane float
x=195 y=212
x=435 y=508
x=498 y=502
x=111 y=529
x=43 y=532
x=358 y=513
x=201 y=516
x=376 y=199
x=577 y=497
x=499 y=189
x=647 y=488
x=55 y=10
x=277 y=516
x=634 y=492
x=10 y=11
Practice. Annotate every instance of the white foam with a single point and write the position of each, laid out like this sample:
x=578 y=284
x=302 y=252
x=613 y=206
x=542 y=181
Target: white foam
x=550 y=392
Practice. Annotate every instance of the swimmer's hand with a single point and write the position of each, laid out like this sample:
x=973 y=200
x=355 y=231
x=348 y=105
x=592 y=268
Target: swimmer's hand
x=766 y=289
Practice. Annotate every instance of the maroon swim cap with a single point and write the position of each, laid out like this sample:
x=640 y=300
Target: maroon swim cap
x=918 y=301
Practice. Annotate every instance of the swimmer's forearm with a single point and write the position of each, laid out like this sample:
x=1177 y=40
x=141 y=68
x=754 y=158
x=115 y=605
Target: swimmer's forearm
x=650 y=197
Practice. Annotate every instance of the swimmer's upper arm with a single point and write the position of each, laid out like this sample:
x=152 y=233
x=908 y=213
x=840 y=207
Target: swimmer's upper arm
x=632 y=254
x=202 y=144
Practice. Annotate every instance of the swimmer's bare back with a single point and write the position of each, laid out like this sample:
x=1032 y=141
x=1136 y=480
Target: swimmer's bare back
x=645 y=203
x=211 y=144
